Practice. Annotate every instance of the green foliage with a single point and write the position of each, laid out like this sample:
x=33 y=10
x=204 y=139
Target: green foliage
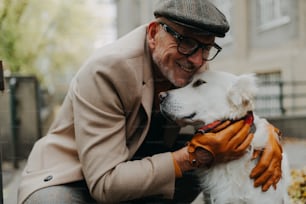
x=46 y=37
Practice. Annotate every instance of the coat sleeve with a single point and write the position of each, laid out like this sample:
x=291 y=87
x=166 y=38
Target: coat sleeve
x=100 y=104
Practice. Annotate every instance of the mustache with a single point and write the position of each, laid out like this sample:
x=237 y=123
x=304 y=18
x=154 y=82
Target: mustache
x=185 y=62
x=187 y=65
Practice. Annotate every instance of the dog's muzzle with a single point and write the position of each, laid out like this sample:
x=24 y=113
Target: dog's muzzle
x=162 y=103
x=163 y=96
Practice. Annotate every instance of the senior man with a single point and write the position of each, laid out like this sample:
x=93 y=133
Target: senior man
x=88 y=155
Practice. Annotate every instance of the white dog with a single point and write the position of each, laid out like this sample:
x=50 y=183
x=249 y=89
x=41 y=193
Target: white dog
x=211 y=96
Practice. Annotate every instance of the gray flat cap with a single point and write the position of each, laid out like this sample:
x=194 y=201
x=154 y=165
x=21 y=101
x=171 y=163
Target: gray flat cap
x=200 y=15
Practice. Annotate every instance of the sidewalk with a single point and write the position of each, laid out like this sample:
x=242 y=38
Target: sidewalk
x=295 y=149
x=11 y=178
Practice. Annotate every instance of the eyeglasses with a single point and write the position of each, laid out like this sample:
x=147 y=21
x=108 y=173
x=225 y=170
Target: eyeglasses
x=188 y=46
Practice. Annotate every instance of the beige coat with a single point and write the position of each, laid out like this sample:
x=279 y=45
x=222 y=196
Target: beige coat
x=103 y=121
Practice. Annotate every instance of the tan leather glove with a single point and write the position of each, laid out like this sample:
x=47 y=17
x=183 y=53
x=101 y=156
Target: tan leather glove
x=227 y=144
x=268 y=170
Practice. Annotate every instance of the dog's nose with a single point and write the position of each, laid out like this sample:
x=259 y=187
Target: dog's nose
x=162 y=96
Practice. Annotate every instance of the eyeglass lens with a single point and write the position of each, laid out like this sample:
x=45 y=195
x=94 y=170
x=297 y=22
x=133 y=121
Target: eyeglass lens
x=188 y=46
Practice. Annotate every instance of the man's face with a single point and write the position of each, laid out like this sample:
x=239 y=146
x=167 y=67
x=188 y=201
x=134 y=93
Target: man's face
x=176 y=67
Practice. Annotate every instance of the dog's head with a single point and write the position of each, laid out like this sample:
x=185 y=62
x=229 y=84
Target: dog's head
x=211 y=96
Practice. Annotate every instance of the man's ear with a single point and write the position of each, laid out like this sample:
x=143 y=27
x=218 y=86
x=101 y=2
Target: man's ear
x=243 y=91
x=152 y=30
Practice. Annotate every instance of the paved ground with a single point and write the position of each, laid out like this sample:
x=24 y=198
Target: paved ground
x=295 y=149
x=11 y=178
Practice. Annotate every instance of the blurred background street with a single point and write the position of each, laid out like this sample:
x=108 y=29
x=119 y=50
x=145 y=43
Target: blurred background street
x=44 y=43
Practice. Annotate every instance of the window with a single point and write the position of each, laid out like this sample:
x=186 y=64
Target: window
x=269 y=97
x=272 y=13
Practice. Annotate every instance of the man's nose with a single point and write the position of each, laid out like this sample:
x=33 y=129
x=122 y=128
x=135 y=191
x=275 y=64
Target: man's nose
x=196 y=58
x=163 y=96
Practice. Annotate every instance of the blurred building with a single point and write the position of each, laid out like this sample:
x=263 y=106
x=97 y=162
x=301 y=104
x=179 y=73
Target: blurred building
x=132 y=13
x=267 y=37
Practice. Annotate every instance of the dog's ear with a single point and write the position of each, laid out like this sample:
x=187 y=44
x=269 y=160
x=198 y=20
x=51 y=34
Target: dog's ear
x=243 y=91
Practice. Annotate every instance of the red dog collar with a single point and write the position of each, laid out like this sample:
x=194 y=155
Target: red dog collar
x=249 y=119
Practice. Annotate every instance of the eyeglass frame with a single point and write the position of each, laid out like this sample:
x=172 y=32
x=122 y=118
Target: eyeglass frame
x=180 y=38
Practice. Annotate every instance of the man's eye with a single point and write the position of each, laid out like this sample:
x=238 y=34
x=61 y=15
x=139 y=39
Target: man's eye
x=198 y=82
x=207 y=47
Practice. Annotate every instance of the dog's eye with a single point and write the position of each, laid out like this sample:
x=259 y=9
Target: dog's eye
x=198 y=82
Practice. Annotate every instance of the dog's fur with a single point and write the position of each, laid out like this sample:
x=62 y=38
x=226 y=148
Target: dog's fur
x=215 y=95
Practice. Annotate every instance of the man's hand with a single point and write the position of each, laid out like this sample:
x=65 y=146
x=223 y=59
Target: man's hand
x=268 y=170
x=224 y=144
